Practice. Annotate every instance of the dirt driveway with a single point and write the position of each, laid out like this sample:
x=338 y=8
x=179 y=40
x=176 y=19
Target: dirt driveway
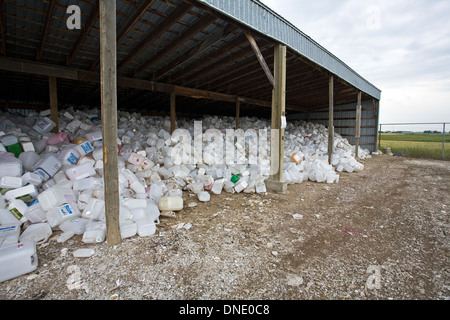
x=379 y=234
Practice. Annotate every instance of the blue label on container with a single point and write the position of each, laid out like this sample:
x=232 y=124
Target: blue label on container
x=65 y=210
x=34 y=202
x=72 y=158
x=8 y=229
x=87 y=147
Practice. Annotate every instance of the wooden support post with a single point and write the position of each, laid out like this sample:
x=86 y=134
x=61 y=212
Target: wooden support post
x=275 y=182
x=238 y=111
x=108 y=81
x=52 y=83
x=173 y=98
x=358 y=125
x=331 y=120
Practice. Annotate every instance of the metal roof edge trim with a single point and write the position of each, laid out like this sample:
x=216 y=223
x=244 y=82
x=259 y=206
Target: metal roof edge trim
x=261 y=18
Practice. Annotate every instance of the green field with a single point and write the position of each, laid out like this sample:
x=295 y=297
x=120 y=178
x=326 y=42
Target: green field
x=417 y=145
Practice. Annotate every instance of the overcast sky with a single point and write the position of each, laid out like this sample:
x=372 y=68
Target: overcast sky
x=402 y=47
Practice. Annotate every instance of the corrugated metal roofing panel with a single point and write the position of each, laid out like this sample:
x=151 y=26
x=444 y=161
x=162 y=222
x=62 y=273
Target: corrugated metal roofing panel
x=261 y=18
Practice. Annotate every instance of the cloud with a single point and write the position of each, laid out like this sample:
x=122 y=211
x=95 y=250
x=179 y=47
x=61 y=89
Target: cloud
x=402 y=47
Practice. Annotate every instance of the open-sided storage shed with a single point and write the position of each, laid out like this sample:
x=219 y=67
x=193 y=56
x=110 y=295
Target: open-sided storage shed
x=177 y=58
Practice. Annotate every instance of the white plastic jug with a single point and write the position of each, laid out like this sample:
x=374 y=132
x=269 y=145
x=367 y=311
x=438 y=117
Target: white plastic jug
x=145 y=227
x=153 y=212
x=27 y=193
x=128 y=229
x=94 y=209
x=94 y=236
x=47 y=167
x=44 y=125
x=58 y=215
x=69 y=156
x=37 y=232
x=82 y=171
x=11 y=182
x=29 y=159
x=6 y=217
x=84 y=148
x=11 y=166
x=9 y=234
x=34 y=213
x=17 y=207
x=31 y=178
x=56 y=196
x=170 y=204
x=17 y=260
x=75 y=225
x=218 y=186
x=94 y=136
x=203 y=196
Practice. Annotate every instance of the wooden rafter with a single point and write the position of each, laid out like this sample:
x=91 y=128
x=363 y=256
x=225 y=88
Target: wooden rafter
x=132 y=20
x=138 y=13
x=212 y=57
x=191 y=32
x=163 y=27
x=48 y=20
x=93 y=18
x=188 y=55
x=3 y=30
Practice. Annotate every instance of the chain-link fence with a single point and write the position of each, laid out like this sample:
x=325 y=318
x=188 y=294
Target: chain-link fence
x=416 y=140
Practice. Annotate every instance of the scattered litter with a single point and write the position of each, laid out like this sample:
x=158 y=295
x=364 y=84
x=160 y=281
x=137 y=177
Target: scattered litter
x=54 y=181
x=294 y=280
x=297 y=216
x=83 y=253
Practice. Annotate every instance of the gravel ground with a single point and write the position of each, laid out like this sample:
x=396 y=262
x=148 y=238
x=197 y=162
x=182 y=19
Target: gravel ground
x=381 y=234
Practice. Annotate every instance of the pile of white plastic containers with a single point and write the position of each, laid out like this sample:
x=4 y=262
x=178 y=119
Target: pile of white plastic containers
x=54 y=182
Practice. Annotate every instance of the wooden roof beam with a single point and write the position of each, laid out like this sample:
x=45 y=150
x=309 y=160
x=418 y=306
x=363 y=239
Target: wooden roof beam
x=93 y=18
x=188 y=55
x=3 y=30
x=163 y=27
x=209 y=58
x=48 y=19
x=191 y=32
x=138 y=13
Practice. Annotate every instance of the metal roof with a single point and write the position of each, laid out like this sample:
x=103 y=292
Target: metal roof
x=198 y=44
x=261 y=18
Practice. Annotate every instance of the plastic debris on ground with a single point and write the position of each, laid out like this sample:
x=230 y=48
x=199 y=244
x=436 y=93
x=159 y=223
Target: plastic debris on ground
x=54 y=182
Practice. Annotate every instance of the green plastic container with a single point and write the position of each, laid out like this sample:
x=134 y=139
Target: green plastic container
x=235 y=178
x=15 y=148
